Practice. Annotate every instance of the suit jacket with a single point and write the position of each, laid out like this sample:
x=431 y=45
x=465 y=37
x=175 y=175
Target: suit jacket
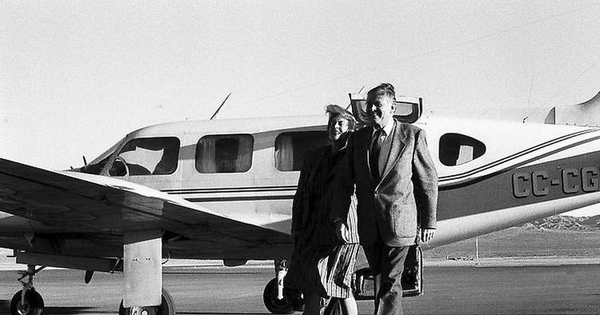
x=403 y=199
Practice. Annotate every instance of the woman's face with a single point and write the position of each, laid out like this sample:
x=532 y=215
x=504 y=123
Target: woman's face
x=337 y=128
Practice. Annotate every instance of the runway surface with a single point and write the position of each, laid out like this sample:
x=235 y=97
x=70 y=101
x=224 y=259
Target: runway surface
x=560 y=289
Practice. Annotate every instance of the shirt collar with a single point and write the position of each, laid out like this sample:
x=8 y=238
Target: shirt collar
x=387 y=128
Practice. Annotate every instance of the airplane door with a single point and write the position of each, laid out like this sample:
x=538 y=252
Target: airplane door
x=408 y=109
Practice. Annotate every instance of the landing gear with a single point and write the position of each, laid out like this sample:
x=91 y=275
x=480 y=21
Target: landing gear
x=280 y=300
x=27 y=301
x=167 y=307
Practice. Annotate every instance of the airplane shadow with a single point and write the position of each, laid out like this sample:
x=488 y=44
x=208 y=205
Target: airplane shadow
x=4 y=307
x=66 y=310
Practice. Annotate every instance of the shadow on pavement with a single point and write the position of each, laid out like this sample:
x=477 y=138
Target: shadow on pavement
x=4 y=307
x=66 y=310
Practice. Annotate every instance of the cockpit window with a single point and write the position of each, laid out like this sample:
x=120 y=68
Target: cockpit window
x=224 y=153
x=290 y=148
x=97 y=165
x=147 y=156
x=457 y=149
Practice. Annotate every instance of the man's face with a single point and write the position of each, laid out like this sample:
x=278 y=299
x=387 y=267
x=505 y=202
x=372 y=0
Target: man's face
x=380 y=110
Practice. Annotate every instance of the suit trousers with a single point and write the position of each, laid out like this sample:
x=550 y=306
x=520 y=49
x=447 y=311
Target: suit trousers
x=387 y=264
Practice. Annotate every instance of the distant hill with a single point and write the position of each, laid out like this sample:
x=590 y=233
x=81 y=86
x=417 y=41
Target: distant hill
x=560 y=222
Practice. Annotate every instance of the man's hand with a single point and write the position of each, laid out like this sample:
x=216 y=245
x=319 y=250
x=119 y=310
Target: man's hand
x=427 y=235
x=341 y=231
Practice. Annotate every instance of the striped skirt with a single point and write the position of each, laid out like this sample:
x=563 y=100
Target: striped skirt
x=336 y=270
x=326 y=270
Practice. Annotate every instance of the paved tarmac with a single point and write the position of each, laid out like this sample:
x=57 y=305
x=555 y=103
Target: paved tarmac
x=461 y=288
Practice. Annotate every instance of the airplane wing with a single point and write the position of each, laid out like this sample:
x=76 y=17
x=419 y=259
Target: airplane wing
x=84 y=203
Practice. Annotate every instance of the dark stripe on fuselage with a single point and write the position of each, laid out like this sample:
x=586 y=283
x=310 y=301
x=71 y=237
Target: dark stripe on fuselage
x=526 y=185
x=246 y=198
x=213 y=190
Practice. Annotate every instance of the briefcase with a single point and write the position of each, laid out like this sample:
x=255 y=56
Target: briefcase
x=412 y=276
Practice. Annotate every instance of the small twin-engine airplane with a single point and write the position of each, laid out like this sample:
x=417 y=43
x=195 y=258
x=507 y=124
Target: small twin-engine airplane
x=222 y=189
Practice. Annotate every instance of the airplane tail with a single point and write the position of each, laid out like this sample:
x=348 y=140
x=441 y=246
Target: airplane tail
x=583 y=114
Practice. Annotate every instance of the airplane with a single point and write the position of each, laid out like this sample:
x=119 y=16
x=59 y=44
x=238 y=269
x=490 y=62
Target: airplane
x=222 y=189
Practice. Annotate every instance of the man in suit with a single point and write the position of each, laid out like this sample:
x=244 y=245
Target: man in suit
x=396 y=185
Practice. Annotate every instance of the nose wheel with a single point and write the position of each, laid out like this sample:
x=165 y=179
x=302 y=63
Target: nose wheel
x=280 y=300
x=30 y=304
x=27 y=301
x=290 y=302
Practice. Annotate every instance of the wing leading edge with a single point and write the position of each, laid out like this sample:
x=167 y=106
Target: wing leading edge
x=84 y=203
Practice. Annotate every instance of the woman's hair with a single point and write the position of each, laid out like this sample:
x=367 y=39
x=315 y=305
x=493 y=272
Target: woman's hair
x=335 y=112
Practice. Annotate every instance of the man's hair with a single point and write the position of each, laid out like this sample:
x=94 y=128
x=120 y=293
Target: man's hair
x=384 y=89
x=335 y=112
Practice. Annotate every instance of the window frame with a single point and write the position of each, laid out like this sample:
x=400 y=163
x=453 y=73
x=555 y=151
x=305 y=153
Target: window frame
x=198 y=159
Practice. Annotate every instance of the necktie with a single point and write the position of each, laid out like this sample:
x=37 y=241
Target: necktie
x=375 y=149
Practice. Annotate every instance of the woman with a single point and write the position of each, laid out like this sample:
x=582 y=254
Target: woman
x=321 y=267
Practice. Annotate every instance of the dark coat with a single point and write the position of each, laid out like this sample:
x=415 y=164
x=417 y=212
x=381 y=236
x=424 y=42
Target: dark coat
x=313 y=201
x=405 y=196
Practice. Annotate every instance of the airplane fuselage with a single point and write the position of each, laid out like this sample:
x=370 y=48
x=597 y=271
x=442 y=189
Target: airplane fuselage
x=505 y=173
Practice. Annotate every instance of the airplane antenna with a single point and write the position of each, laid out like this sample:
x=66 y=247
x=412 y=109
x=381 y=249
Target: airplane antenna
x=218 y=109
x=84 y=160
x=529 y=97
x=530 y=89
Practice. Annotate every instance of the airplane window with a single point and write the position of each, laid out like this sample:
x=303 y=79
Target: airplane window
x=147 y=156
x=224 y=153
x=290 y=148
x=457 y=149
x=97 y=165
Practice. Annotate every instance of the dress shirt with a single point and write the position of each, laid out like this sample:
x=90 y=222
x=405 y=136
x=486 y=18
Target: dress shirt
x=386 y=145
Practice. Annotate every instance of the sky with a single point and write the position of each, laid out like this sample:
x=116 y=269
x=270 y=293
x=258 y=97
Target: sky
x=76 y=76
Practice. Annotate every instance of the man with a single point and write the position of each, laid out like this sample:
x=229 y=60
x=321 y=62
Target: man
x=396 y=185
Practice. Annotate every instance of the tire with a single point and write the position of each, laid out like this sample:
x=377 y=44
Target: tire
x=273 y=304
x=167 y=306
x=34 y=304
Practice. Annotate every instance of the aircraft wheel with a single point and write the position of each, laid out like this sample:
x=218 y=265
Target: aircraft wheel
x=32 y=305
x=292 y=300
x=167 y=307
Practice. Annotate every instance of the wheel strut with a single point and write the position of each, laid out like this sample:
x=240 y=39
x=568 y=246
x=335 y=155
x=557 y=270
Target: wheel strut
x=280 y=272
x=29 y=273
